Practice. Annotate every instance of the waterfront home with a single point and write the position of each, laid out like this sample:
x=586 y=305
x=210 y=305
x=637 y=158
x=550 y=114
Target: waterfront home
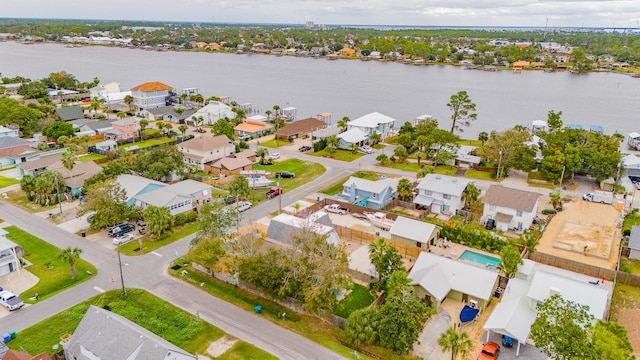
x=206 y=148
x=347 y=52
x=510 y=208
x=150 y=95
x=253 y=127
x=538 y=125
x=414 y=233
x=300 y=128
x=9 y=254
x=373 y=122
x=633 y=139
x=211 y=113
x=437 y=278
x=533 y=284
x=102 y=334
x=103 y=90
x=374 y=194
x=350 y=137
x=441 y=194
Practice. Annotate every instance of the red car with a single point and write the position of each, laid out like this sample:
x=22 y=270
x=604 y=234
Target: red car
x=490 y=351
x=275 y=191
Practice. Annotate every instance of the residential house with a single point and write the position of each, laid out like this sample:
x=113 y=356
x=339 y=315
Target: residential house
x=168 y=113
x=441 y=194
x=436 y=278
x=107 y=145
x=205 y=149
x=180 y=197
x=14 y=150
x=97 y=127
x=73 y=178
x=124 y=129
x=134 y=185
x=414 y=232
x=521 y=64
x=10 y=253
x=10 y=354
x=351 y=137
x=327 y=132
x=70 y=113
x=284 y=228
x=253 y=128
x=373 y=122
x=211 y=113
x=374 y=194
x=465 y=156
x=347 y=52
x=533 y=284
x=300 y=128
x=510 y=208
x=103 y=90
x=150 y=95
x=633 y=139
x=631 y=165
x=229 y=166
x=634 y=243
x=102 y=334
x=5 y=131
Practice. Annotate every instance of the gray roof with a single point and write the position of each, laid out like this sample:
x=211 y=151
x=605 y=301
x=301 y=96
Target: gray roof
x=187 y=187
x=68 y=113
x=103 y=124
x=8 y=142
x=159 y=197
x=133 y=184
x=373 y=186
x=284 y=227
x=371 y=120
x=412 y=229
x=79 y=122
x=125 y=121
x=511 y=198
x=354 y=135
x=634 y=238
x=444 y=184
x=105 y=335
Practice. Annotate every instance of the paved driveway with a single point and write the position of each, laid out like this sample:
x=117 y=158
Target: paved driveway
x=528 y=352
x=427 y=346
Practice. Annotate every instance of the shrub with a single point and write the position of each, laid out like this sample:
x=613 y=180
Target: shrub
x=319 y=145
x=185 y=218
x=548 y=211
x=473 y=237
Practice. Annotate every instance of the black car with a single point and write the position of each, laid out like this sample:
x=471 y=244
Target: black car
x=285 y=175
x=304 y=148
x=121 y=230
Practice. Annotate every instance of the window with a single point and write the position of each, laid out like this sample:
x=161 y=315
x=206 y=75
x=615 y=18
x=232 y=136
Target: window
x=519 y=213
x=418 y=244
x=428 y=192
x=492 y=207
x=446 y=196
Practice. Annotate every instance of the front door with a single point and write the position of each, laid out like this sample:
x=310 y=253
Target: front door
x=465 y=298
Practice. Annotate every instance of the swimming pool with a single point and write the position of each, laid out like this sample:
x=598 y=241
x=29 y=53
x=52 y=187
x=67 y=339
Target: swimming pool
x=483 y=260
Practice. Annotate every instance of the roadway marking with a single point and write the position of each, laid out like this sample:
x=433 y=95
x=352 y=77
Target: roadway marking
x=100 y=290
x=156 y=254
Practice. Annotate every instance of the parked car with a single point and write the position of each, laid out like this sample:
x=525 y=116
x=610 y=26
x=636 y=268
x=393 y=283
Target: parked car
x=230 y=199
x=336 y=209
x=274 y=156
x=121 y=230
x=243 y=206
x=285 y=175
x=366 y=149
x=490 y=351
x=125 y=238
x=244 y=137
x=89 y=218
x=304 y=148
x=491 y=223
x=275 y=191
x=10 y=300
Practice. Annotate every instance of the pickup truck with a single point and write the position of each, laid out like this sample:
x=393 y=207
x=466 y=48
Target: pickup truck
x=337 y=209
x=275 y=191
x=603 y=197
x=10 y=300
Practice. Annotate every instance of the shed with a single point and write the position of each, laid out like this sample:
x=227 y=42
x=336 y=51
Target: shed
x=634 y=243
x=414 y=232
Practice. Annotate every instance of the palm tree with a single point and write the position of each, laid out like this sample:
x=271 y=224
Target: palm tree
x=121 y=114
x=268 y=113
x=183 y=129
x=483 y=137
x=70 y=255
x=342 y=123
x=129 y=101
x=69 y=160
x=276 y=110
x=470 y=194
x=354 y=148
x=425 y=170
x=457 y=343
x=95 y=105
x=262 y=154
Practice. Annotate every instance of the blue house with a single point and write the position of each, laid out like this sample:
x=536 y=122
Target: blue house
x=373 y=194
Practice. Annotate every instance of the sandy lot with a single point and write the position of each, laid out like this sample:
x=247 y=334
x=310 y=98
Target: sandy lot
x=585 y=232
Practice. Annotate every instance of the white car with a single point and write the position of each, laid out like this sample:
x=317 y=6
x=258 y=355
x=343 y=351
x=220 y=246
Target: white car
x=366 y=149
x=122 y=239
x=274 y=156
x=243 y=206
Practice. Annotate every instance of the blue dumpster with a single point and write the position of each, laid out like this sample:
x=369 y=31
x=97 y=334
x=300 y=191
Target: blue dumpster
x=6 y=338
x=258 y=309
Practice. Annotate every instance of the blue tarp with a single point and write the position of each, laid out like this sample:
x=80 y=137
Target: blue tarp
x=468 y=313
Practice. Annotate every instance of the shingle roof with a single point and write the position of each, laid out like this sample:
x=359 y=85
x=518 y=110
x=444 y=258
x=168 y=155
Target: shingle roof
x=107 y=335
x=231 y=164
x=206 y=143
x=443 y=184
x=41 y=162
x=301 y=126
x=10 y=142
x=103 y=124
x=511 y=198
x=412 y=229
x=151 y=86
x=68 y=113
x=187 y=187
x=18 y=152
x=125 y=122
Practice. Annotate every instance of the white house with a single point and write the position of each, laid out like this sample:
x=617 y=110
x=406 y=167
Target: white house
x=150 y=95
x=373 y=122
x=534 y=284
x=510 y=208
x=211 y=113
x=102 y=90
x=634 y=243
x=352 y=136
x=205 y=149
x=441 y=193
x=5 y=131
x=9 y=261
x=180 y=197
x=436 y=277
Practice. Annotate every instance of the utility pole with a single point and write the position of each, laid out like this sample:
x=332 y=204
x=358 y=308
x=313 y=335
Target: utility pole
x=124 y=290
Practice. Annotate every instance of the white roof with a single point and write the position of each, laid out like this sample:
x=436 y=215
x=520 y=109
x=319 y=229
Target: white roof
x=423 y=117
x=634 y=135
x=353 y=136
x=257 y=118
x=372 y=186
x=539 y=123
x=371 y=120
x=187 y=187
x=6 y=243
x=545 y=283
x=439 y=275
x=300 y=224
x=513 y=316
x=630 y=160
x=160 y=197
x=412 y=229
x=444 y=184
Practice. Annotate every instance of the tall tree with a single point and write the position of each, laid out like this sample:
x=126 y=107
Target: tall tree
x=483 y=137
x=386 y=259
x=563 y=330
x=240 y=187
x=215 y=223
x=342 y=123
x=457 y=343
x=611 y=341
x=208 y=252
x=374 y=138
x=159 y=220
x=362 y=326
x=183 y=129
x=108 y=200
x=463 y=111
x=470 y=194
x=510 y=258
x=70 y=255
x=554 y=121
x=405 y=191
x=223 y=127
x=129 y=101
x=402 y=317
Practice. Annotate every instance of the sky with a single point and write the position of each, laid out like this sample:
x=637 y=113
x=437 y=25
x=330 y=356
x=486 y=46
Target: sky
x=536 y=13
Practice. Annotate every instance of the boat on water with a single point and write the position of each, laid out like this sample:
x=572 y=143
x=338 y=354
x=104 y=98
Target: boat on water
x=380 y=220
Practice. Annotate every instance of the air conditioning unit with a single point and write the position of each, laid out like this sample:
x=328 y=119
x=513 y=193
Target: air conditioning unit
x=474 y=304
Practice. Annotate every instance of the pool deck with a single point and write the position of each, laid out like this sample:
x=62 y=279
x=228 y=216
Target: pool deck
x=454 y=251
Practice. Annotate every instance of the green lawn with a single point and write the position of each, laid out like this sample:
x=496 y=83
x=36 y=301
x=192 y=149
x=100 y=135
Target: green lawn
x=91 y=157
x=630 y=265
x=161 y=318
x=148 y=245
x=342 y=155
x=630 y=220
x=274 y=143
x=305 y=172
x=408 y=166
x=19 y=199
x=53 y=273
x=475 y=174
x=469 y=142
x=5 y=181
x=243 y=351
x=147 y=143
x=624 y=297
x=359 y=298
x=335 y=188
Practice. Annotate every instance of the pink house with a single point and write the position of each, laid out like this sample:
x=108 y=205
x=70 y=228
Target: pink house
x=124 y=128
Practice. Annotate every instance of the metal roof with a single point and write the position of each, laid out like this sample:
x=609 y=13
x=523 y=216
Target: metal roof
x=444 y=184
x=412 y=229
x=371 y=120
